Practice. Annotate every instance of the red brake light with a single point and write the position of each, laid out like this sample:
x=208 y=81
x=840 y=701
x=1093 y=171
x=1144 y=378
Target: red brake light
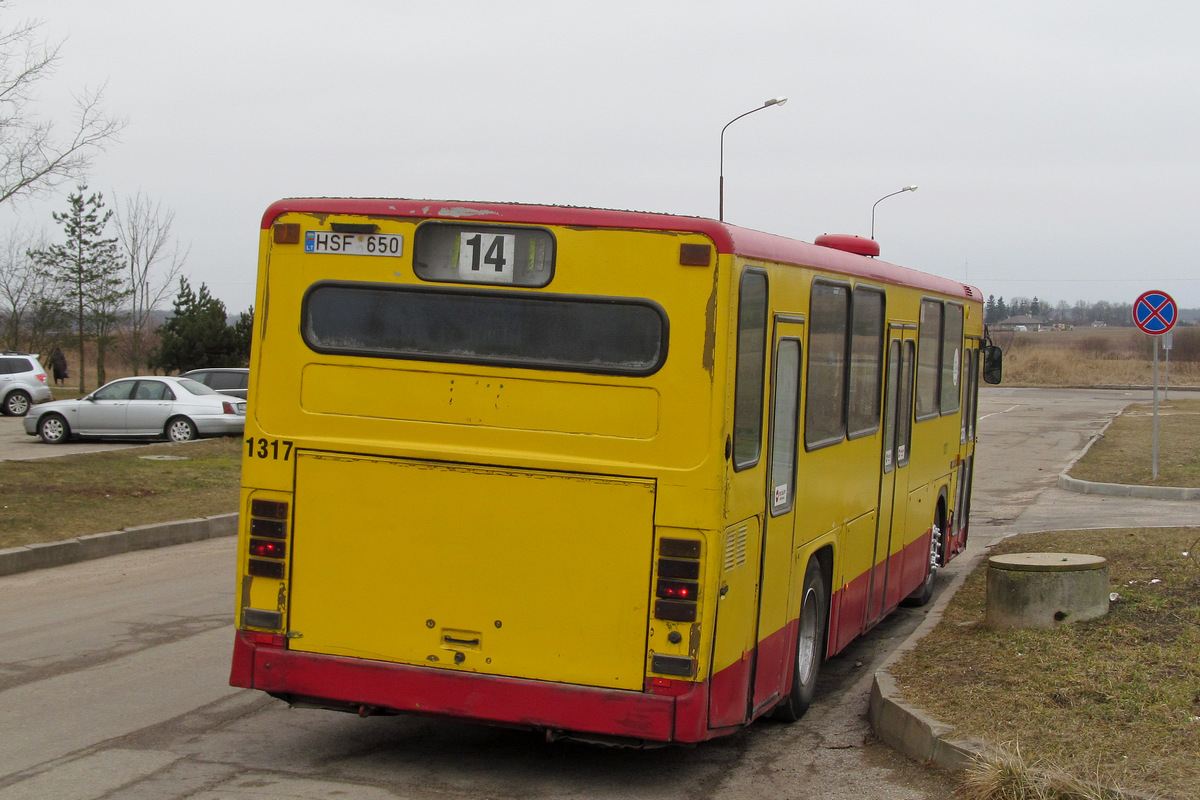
x=266 y=548
x=227 y=406
x=42 y=377
x=678 y=590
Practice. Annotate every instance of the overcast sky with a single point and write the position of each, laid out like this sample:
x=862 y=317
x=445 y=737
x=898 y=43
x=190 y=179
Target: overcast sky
x=1056 y=144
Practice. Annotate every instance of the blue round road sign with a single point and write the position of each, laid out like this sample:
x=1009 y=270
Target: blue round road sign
x=1155 y=312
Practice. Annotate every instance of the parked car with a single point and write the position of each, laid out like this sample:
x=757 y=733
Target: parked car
x=22 y=383
x=226 y=380
x=150 y=407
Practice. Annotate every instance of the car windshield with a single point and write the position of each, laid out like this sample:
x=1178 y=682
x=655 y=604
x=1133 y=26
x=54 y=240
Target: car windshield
x=195 y=387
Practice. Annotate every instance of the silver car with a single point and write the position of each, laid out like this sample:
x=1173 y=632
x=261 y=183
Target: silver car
x=178 y=409
x=22 y=383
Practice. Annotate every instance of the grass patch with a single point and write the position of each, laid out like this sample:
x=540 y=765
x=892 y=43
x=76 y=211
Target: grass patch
x=1114 y=700
x=50 y=499
x=1125 y=453
x=1095 y=357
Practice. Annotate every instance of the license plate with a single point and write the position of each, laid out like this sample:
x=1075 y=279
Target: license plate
x=354 y=244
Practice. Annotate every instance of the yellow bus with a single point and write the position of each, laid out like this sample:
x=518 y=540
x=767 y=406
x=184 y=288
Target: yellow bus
x=615 y=476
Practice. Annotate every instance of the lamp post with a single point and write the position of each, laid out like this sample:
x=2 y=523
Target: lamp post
x=774 y=101
x=885 y=197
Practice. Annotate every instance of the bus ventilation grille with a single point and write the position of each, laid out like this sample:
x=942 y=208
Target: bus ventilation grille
x=735 y=547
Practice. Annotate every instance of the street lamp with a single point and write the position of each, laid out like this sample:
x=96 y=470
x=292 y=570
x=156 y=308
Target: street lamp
x=885 y=197
x=774 y=101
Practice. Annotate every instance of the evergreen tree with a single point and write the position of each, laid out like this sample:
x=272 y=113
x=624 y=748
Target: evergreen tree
x=243 y=329
x=197 y=334
x=90 y=272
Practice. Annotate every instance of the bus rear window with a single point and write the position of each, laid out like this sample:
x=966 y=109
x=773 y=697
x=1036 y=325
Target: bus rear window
x=538 y=331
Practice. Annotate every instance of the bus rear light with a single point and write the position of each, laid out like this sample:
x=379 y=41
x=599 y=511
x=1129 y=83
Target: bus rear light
x=678 y=590
x=270 y=528
x=695 y=255
x=679 y=548
x=265 y=548
x=258 y=618
x=683 y=666
x=260 y=568
x=675 y=610
x=286 y=232
x=678 y=580
x=669 y=687
x=678 y=568
x=271 y=509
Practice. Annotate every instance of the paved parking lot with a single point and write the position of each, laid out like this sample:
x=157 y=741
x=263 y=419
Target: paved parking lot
x=15 y=445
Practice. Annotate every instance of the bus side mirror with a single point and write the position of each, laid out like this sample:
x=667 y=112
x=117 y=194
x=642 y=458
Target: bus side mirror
x=993 y=363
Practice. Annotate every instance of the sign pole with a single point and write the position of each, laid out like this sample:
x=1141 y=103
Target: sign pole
x=1155 y=312
x=1166 y=340
x=1155 y=462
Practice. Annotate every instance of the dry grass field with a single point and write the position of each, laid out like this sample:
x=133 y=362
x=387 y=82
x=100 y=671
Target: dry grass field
x=1097 y=357
x=1113 y=701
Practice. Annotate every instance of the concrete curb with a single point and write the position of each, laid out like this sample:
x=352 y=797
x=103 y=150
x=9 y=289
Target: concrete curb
x=1077 y=486
x=99 y=545
x=1067 y=483
x=907 y=729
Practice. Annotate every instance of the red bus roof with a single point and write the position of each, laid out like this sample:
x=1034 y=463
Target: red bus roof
x=729 y=239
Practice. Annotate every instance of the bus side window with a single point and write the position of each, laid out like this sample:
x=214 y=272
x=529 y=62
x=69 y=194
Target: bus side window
x=751 y=369
x=905 y=413
x=866 y=361
x=952 y=343
x=787 y=417
x=825 y=394
x=929 y=355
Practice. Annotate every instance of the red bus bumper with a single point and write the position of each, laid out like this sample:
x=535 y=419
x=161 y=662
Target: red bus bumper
x=678 y=712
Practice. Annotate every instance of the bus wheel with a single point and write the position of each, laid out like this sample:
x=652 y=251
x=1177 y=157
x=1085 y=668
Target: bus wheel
x=810 y=646
x=924 y=592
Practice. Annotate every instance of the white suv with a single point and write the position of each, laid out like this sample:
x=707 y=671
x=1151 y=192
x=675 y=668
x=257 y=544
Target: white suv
x=22 y=383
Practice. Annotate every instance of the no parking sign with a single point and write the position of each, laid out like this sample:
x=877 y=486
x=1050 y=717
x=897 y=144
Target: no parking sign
x=1154 y=312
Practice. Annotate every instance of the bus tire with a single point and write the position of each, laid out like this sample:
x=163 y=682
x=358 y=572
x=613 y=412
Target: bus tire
x=937 y=542
x=810 y=645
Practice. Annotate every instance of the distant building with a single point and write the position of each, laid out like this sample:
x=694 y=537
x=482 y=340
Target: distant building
x=1021 y=323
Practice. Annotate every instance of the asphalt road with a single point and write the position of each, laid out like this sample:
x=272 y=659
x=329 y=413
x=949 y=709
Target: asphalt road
x=16 y=445
x=113 y=678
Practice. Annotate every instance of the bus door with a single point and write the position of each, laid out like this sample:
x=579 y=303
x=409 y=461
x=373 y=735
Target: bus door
x=893 y=483
x=970 y=398
x=775 y=649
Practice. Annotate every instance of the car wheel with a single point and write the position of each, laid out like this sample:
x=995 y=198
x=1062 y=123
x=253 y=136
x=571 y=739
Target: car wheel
x=17 y=404
x=810 y=645
x=53 y=429
x=180 y=429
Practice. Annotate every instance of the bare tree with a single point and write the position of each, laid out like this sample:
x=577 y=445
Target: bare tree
x=154 y=262
x=35 y=155
x=24 y=288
